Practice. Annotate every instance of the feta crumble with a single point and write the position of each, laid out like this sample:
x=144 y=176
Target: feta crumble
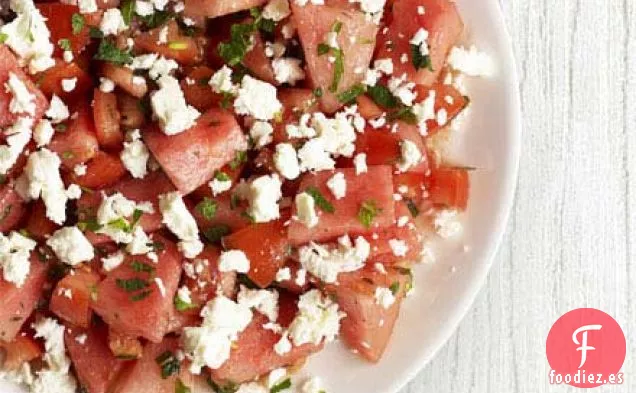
x=262 y=300
x=180 y=222
x=326 y=263
x=17 y=138
x=286 y=161
x=23 y=101
x=71 y=246
x=360 y=163
x=337 y=185
x=398 y=247
x=306 y=210
x=471 y=62
x=261 y=133
x=288 y=70
x=384 y=297
x=221 y=81
x=411 y=155
x=135 y=155
x=58 y=111
x=447 y=224
x=15 y=251
x=169 y=105
x=112 y=22
x=234 y=260
x=276 y=10
x=263 y=195
x=112 y=261
x=258 y=99
x=318 y=319
x=43 y=133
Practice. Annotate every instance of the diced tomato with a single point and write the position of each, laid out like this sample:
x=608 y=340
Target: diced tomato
x=226 y=218
x=213 y=9
x=267 y=254
x=145 y=311
x=12 y=208
x=124 y=346
x=19 y=303
x=253 y=354
x=131 y=113
x=22 y=349
x=145 y=374
x=449 y=187
x=123 y=77
x=313 y=22
x=444 y=25
x=58 y=20
x=383 y=146
x=9 y=64
x=50 y=82
x=71 y=297
x=192 y=157
x=257 y=62
x=38 y=225
x=296 y=102
x=107 y=118
x=95 y=365
x=208 y=280
x=102 y=171
x=368 y=326
x=185 y=50
x=374 y=187
x=77 y=143
x=382 y=252
x=199 y=94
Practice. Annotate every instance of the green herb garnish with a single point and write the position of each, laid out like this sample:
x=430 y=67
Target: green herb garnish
x=89 y=225
x=367 y=213
x=179 y=387
x=156 y=19
x=419 y=60
x=348 y=96
x=229 y=387
x=413 y=209
x=3 y=38
x=382 y=96
x=180 y=305
x=77 y=23
x=395 y=288
x=221 y=176
x=317 y=92
x=323 y=49
x=140 y=296
x=141 y=267
x=404 y=114
x=108 y=51
x=127 y=11
x=320 y=200
x=132 y=284
x=234 y=50
x=207 y=208
x=286 y=384
x=239 y=158
x=168 y=363
x=338 y=69
x=215 y=233
x=94 y=32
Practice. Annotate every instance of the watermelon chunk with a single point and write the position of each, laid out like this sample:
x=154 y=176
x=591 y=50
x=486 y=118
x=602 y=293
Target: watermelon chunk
x=50 y=82
x=19 y=303
x=21 y=349
x=199 y=94
x=253 y=354
x=257 y=62
x=145 y=311
x=313 y=22
x=38 y=225
x=95 y=365
x=9 y=64
x=124 y=346
x=374 y=186
x=192 y=157
x=58 y=20
x=449 y=187
x=76 y=308
x=213 y=9
x=103 y=170
x=183 y=49
x=123 y=78
x=444 y=25
x=208 y=280
x=368 y=326
x=78 y=143
x=12 y=208
x=107 y=120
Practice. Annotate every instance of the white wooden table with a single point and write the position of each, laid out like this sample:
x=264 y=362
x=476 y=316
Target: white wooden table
x=571 y=241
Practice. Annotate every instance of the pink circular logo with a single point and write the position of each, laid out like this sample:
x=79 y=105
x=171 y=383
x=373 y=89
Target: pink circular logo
x=586 y=348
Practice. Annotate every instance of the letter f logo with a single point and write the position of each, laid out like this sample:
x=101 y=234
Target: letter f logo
x=583 y=344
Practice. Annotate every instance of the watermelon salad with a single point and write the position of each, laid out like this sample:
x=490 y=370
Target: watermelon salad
x=197 y=196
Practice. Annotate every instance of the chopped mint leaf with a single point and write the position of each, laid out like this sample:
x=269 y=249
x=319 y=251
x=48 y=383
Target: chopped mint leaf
x=367 y=213
x=348 y=96
x=207 y=208
x=107 y=51
x=419 y=60
x=320 y=200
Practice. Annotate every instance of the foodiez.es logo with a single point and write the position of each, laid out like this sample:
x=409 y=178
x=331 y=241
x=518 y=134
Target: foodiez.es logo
x=586 y=348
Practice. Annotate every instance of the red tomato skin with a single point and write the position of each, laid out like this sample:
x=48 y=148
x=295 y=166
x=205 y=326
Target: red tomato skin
x=75 y=310
x=95 y=365
x=9 y=64
x=444 y=25
x=19 y=303
x=210 y=144
x=12 y=208
x=267 y=254
x=375 y=185
x=107 y=118
x=103 y=170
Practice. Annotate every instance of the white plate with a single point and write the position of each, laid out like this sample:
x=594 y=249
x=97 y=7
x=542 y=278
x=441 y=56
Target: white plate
x=446 y=290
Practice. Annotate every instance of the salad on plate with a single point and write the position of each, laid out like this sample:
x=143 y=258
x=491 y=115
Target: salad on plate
x=197 y=196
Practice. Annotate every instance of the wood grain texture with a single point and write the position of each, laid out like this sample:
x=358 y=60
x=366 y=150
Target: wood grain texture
x=571 y=241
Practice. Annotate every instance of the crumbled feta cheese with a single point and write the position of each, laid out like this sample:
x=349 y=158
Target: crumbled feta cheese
x=112 y=261
x=41 y=178
x=420 y=10
x=326 y=264
x=234 y=260
x=301 y=277
x=275 y=49
x=87 y=6
x=288 y=70
x=68 y=85
x=283 y=274
x=420 y=40
x=331 y=40
x=112 y=22
x=17 y=138
x=258 y=99
x=372 y=6
x=380 y=268
x=411 y=155
x=302 y=130
x=442 y=117
x=15 y=251
x=402 y=89
x=221 y=81
x=144 y=8
x=67 y=56
x=337 y=185
x=384 y=297
x=261 y=133
x=71 y=246
x=23 y=101
x=135 y=156
x=163 y=35
x=425 y=110
x=276 y=10
x=402 y=221
x=73 y=191
x=180 y=222
x=53 y=334
x=313 y=156
x=276 y=376
x=263 y=195
x=162 y=288
x=43 y=133
x=184 y=295
x=360 y=163
x=29 y=37
x=447 y=224
x=252 y=387
x=283 y=345
x=262 y=300
x=286 y=161
x=471 y=61
x=312 y=385
x=162 y=67
x=384 y=66
x=113 y=210
x=210 y=344
x=58 y=111
x=169 y=105
x=398 y=247
x=306 y=210
x=318 y=319
x=140 y=244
